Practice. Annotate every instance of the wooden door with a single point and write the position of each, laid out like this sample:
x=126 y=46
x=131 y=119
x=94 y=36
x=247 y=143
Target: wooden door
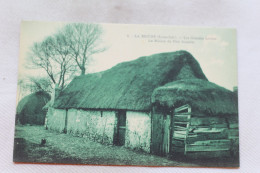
x=121 y=127
x=166 y=134
x=156 y=134
x=161 y=134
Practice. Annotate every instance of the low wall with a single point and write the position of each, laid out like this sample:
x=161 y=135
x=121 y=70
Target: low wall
x=138 y=130
x=213 y=137
x=95 y=125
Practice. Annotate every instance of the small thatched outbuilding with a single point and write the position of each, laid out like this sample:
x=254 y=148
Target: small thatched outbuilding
x=30 y=108
x=206 y=126
x=118 y=106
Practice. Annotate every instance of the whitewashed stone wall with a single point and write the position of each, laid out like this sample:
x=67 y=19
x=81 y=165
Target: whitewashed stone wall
x=56 y=119
x=95 y=125
x=100 y=126
x=138 y=130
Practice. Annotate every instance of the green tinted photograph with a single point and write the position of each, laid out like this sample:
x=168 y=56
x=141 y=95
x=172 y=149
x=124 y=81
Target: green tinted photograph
x=129 y=95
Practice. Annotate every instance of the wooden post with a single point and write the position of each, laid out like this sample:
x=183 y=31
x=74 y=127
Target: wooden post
x=171 y=130
x=66 y=121
x=187 y=131
x=181 y=124
x=151 y=139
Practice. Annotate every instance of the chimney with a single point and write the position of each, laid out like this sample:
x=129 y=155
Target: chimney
x=55 y=93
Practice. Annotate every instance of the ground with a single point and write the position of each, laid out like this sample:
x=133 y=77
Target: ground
x=68 y=149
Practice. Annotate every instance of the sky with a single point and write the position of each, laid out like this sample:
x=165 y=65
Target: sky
x=213 y=48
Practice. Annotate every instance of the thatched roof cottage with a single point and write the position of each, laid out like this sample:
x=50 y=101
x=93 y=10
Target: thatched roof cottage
x=117 y=106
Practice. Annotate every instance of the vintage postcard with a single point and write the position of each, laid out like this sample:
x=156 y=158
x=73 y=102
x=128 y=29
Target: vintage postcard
x=121 y=94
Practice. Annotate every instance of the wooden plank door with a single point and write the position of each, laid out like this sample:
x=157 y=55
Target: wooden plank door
x=161 y=127
x=121 y=127
x=156 y=135
x=166 y=135
x=181 y=123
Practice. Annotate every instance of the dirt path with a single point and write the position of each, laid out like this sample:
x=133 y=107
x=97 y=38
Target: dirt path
x=68 y=149
x=64 y=148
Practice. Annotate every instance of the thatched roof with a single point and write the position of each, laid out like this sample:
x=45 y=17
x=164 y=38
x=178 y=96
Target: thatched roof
x=29 y=109
x=200 y=94
x=129 y=85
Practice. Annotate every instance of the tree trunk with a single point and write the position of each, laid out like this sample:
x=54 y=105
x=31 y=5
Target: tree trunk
x=83 y=70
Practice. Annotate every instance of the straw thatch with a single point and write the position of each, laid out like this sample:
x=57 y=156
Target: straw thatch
x=202 y=95
x=29 y=109
x=129 y=85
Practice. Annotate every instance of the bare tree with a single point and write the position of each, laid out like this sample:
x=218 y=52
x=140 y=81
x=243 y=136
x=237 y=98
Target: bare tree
x=61 y=54
x=39 y=84
x=66 y=64
x=84 y=41
x=21 y=89
x=52 y=55
x=31 y=84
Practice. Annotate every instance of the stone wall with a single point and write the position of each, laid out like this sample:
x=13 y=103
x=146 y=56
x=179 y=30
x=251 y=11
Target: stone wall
x=138 y=130
x=95 y=125
x=101 y=126
x=56 y=119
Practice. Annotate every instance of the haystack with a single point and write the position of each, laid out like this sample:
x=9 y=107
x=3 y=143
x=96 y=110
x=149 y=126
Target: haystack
x=30 y=108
